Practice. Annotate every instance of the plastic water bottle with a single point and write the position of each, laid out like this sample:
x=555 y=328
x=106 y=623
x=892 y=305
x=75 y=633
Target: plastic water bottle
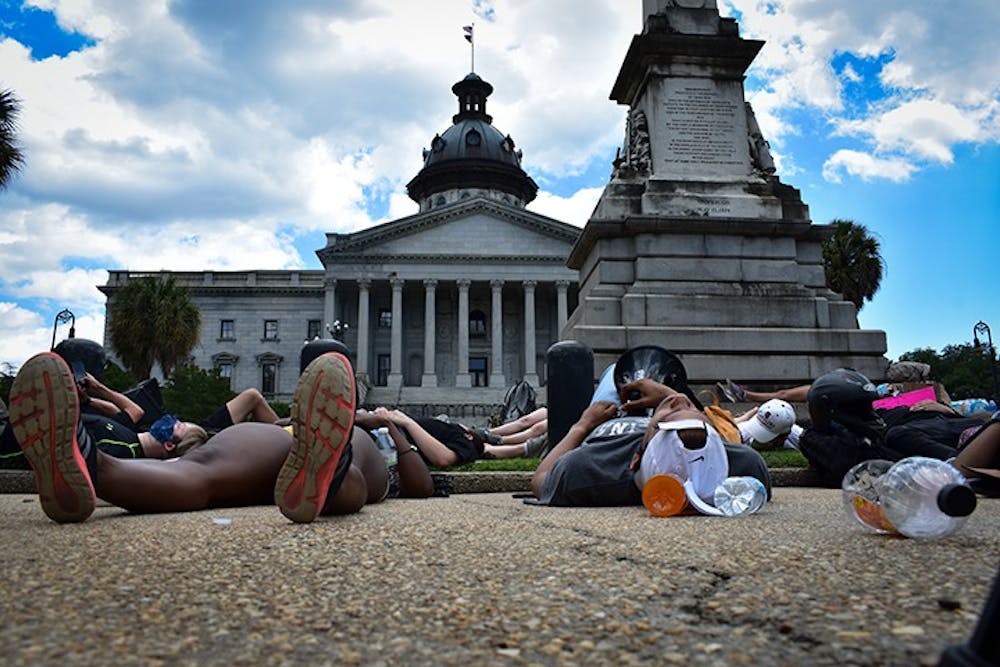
x=916 y=497
x=862 y=495
x=924 y=497
x=737 y=496
x=663 y=495
x=386 y=446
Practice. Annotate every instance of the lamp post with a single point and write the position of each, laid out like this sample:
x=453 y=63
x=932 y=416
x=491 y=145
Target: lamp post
x=62 y=317
x=983 y=329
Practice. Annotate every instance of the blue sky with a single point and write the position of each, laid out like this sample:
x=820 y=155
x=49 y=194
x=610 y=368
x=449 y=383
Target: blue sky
x=190 y=135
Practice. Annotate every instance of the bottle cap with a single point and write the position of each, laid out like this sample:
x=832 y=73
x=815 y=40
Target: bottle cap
x=663 y=495
x=956 y=500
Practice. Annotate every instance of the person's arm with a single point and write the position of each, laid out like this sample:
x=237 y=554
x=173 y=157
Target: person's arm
x=109 y=402
x=643 y=394
x=435 y=451
x=414 y=477
x=595 y=415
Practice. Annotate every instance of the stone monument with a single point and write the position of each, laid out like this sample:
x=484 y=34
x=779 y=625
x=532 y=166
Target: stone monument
x=696 y=244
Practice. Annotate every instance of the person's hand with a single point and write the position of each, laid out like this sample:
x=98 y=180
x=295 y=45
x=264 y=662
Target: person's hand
x=746 y=416
x=596 y=414
x=931 y=405
x=643 y=394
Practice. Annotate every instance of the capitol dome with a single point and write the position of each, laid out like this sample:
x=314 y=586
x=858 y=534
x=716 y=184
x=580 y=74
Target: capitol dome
x=471 y=158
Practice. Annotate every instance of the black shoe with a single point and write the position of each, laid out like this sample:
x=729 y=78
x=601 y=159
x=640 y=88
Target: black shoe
x=45 y=416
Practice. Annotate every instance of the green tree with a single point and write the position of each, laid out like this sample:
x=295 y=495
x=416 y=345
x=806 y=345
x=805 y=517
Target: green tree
x=153 y=320
x=963 y=369
x=194 y=393
x=853 y=262
x=11 y=157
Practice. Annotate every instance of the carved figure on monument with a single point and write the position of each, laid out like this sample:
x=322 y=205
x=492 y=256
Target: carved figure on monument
x=760 y=150
x=637 y=157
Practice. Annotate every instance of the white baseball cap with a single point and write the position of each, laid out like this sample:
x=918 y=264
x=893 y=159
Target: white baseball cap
x=774 y=419
x=701 y=470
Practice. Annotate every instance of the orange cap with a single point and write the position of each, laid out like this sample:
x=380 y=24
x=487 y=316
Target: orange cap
x=663 y=495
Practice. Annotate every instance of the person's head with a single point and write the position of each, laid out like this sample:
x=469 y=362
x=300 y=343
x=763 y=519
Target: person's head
x=473 y=436
x=689 y=449
x=675 y=407
x=187 y=436
x=770 y=424
x=844 y=396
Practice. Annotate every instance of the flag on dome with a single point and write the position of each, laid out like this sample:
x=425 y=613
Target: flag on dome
x=467 y=29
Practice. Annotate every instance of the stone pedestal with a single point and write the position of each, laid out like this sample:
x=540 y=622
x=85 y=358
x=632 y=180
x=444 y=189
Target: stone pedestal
x=696 y=245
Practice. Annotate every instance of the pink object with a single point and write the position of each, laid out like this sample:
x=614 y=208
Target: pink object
x=908 y=398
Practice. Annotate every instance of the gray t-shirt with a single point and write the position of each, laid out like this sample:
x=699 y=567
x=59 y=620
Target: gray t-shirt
x=597 y=474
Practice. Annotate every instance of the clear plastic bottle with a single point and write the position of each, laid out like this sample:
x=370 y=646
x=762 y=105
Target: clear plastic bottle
x=737 y=496
x=917 y=497
x=861 y=495
x=385 y=445
x=924 y=497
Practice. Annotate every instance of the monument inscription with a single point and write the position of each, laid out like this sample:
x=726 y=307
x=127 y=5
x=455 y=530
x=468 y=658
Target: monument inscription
x=699 y=124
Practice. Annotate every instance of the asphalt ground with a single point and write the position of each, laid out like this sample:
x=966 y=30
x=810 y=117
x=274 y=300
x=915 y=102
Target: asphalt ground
x=483 y=579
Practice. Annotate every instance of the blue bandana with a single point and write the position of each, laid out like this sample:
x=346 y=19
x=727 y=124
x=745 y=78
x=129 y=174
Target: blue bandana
x=163 y=428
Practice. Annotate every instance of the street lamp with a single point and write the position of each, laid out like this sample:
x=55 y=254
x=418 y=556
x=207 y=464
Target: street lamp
x=336 y=329
x=62 y=317
x=983 y=329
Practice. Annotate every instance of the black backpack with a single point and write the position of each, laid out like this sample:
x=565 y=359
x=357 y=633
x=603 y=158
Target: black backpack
x=832 y=454
x=518 y=401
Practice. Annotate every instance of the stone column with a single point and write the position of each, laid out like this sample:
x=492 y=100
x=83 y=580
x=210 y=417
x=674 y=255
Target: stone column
x=429 y=378
x=562 y=307
x=462 y=378
x=496 y=367
x=395 y=379
x=329 y=306
x=364 y=319
x=530 y=372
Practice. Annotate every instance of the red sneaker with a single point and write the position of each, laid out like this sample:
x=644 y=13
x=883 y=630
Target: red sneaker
x=44 y=413
x=322 y=422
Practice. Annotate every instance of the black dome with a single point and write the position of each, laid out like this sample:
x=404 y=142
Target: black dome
x=472 y=153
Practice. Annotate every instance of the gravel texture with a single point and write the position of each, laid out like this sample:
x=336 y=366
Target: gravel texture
x=484 y=579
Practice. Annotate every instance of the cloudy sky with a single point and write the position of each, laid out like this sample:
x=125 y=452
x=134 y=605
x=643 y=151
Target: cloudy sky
x=232 y=134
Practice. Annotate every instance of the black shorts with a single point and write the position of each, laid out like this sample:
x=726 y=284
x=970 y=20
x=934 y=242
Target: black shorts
x=217 y=421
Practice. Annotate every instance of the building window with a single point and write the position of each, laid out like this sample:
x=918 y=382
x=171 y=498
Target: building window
x=384 y=318
x=312 y=330
x=477 y=323
x=268 y=378
x=382 y=370
x=270 y=329
x=227 y=330
x=225 y=365
x=477 y=368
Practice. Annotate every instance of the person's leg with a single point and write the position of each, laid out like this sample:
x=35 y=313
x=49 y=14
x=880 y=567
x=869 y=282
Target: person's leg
x=981 y=451
x=238 y=467
x=533 y=431
x=737 y=393
x=44 y=416
x=322 y=413
x=251 y=403
x=522 y=423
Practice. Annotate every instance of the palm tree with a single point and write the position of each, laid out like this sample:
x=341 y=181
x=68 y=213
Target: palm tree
x=153 y=320
x=853 y=262
x=11 y=157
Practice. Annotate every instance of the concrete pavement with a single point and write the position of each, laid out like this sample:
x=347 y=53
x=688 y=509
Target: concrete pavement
x=484 y=579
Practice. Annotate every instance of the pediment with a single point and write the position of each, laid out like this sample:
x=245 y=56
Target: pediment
x=470 y=229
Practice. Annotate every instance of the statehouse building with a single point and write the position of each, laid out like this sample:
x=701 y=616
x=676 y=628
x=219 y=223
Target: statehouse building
x=447 y=307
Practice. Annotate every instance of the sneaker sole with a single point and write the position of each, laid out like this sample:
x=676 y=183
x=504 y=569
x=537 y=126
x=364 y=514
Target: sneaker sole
x=322 y=413
x=44 y=410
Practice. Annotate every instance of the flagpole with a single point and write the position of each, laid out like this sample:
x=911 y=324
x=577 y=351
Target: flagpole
x=469 y=31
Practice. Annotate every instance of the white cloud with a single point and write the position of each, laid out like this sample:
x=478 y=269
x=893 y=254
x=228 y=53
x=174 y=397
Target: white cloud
x=575 y=209
x=866 y=167
x=924 y=128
